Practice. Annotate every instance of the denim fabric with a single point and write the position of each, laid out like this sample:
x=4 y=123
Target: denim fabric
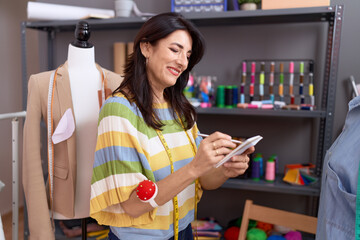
x=336 y=217
x=185 y=234
x=112 y=236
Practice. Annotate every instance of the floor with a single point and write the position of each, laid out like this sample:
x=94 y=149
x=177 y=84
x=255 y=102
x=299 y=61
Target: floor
x=7 y=225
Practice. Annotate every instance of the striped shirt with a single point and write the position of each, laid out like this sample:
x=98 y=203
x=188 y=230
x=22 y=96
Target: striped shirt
x=129 y=151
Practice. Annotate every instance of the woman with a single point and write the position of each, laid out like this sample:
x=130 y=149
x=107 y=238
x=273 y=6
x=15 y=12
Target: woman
x=147 y=131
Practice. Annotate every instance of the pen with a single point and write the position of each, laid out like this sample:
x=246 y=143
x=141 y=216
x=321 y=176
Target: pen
x=206 y=135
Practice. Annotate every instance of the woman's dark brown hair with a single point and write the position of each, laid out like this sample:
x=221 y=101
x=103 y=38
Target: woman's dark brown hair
x=136 y=86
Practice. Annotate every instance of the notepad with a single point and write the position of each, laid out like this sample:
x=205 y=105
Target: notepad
x=240 y=149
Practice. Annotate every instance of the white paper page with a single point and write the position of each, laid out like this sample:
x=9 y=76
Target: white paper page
x=240 y=149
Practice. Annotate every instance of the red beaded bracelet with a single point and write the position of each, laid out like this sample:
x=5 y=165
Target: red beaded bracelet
x=146 y=191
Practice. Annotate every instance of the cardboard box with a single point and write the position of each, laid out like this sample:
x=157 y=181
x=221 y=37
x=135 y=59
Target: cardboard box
x=276 y=4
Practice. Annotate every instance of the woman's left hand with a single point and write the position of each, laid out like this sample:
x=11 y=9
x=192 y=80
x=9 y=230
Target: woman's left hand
x=237 y=164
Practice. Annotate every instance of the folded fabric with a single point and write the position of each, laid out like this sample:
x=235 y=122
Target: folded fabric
x=65 y=128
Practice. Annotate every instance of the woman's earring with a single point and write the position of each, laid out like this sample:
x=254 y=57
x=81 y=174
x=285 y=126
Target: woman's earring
x=146 y=61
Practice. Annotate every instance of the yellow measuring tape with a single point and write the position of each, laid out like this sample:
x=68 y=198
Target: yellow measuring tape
x=175 y=200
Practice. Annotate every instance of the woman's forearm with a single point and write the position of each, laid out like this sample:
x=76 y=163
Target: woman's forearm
x=168 y=188
x=213 y=179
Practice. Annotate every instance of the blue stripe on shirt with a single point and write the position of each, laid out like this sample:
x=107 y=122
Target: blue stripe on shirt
x=120 y=153
x=125 y=233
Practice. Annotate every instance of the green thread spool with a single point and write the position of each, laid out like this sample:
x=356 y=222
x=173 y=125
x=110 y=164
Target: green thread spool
x=220 y=96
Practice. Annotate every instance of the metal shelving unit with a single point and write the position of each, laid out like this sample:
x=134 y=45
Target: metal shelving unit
x=332 y=15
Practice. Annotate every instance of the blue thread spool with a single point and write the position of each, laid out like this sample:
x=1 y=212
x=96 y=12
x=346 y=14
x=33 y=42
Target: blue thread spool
x=255 y=169
x=261 y=164
x=235 y=95
x=272 y=98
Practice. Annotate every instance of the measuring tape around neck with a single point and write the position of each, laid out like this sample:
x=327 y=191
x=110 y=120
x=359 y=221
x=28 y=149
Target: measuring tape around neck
x=50 y=144
x=175 y=200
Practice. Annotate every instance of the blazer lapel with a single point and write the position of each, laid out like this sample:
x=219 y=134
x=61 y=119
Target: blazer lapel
x=64 y=100
x=63 y=89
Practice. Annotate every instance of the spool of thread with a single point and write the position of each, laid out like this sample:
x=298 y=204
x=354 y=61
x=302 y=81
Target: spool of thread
x=270 y=170
x=292 y=99
x=228 y=97
x=255 y=169
x=235 y=91
x=242 y=89
x=259 y=157
x=220 y=96
x=275 y=158
x=242 y=98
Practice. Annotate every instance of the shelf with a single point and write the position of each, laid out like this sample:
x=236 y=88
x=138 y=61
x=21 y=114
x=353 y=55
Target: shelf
x=279 y=186
x=292 y=15
x=261 y=112
x=95 y=24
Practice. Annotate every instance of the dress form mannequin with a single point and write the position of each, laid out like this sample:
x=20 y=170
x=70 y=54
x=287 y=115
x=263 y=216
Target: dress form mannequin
x=75 y=86
x=85 y=82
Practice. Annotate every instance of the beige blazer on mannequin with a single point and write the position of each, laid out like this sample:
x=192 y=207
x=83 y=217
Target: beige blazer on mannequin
x=36 y=194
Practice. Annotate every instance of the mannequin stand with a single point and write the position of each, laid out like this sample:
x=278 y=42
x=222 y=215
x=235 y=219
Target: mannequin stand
x=83 y=229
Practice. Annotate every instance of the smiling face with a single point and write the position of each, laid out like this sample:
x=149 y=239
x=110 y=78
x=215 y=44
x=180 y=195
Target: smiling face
x=167 y=59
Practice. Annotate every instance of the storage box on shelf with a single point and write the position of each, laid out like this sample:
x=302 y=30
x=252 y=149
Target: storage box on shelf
x=278 y=4
x=196 y=6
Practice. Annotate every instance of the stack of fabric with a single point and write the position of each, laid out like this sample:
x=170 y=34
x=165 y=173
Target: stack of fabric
x=300 y=174
x=206 y=229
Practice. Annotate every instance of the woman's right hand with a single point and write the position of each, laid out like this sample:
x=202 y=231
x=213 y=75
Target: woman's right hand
x=211 y=150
